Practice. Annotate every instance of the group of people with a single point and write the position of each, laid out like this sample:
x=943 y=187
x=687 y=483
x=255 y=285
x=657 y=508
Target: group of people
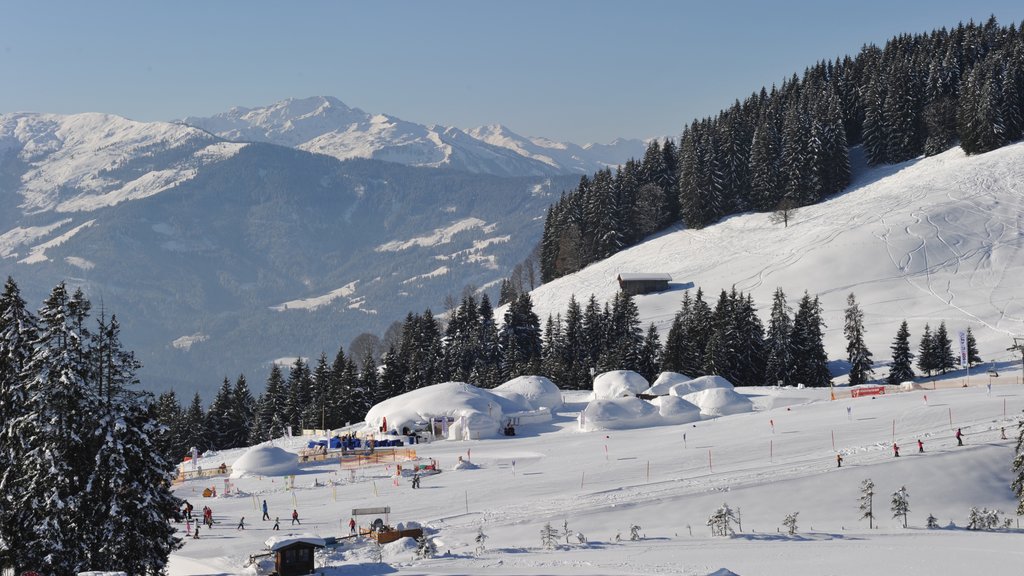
x=920 y=446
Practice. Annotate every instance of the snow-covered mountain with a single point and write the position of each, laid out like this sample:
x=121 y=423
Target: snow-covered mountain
x=931 y=240
x=325 y=125
x=200 y=244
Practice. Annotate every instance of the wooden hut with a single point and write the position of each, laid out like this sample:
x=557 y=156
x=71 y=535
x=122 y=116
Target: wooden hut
x=634 y=283
x=294 y=556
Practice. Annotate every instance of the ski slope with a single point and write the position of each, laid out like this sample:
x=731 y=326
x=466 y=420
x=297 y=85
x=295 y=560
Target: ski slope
x=668 y=480
x=929 y=240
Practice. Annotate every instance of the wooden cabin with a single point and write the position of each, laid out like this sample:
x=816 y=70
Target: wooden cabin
x=294 y=556
x=634 y=283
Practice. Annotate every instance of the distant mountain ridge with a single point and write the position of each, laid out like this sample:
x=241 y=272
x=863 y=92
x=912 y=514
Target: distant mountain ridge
x=326 y=125
x=221 y=256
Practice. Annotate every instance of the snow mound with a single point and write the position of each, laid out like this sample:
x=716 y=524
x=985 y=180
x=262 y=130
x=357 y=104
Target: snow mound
x=908 y=386
x=540 y=391
x=265 y=461
x=619 y=414
x=401 y=550
x=473 y=412
x=465 y=465
x=675 y=410
x=665 y=381
x=699 y=384
x=720 y=402
x=619 y=383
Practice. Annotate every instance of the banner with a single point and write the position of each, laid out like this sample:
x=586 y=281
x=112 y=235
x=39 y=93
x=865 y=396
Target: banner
x=963 y=348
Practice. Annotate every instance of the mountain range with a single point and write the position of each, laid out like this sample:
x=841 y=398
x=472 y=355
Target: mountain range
x=263 y=235
x=325 y=125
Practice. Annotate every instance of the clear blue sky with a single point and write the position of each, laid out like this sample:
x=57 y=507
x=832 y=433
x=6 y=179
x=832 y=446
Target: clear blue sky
x=583 y=71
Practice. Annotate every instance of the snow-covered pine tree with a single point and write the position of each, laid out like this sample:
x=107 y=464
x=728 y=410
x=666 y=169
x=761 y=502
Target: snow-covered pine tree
x=480 y=539
x=217 y=417
x=778 y=367
x=650 y=354
x=790 y=523
x=195 y=426
x=634 y=532
x=548 y=536
x=932 y=522
x=722 y=520
x=17 y=332
x=901 y=369
x=810 y=363
x=857 y=353
x=520 y=339
x=425 y=547
x=867 y=496
x=1018 y=468
x=901 y=504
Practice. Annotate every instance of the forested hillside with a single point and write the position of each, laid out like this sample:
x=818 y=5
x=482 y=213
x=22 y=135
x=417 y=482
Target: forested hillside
x=788 y=146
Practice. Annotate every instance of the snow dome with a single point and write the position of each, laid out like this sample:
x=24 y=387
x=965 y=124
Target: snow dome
x=265 y=461
x=619 y=383
x=698 y=384
x=540 y=391
x=665 y=381
x=675 y=410
x=473 y=412
x=619 y=414
x=720 y=402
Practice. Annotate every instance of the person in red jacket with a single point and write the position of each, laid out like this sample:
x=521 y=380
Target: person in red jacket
x=920 y=446
x=895 y=450
x=959 y=437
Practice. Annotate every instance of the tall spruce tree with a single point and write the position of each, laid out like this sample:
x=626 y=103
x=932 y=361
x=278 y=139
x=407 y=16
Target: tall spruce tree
x=857 y=353
x=779 y=364
x=902 y=367
x=943 y=349
x=926 y=361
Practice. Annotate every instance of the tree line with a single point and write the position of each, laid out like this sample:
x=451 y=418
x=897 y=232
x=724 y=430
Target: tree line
x=82 y=486
x=728 y=339
x=789 y=146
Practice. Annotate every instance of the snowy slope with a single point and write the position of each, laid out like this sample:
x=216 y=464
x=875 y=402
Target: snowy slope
x=929 y=240
x=82 y=162
x=325 y=125
x=667 y=480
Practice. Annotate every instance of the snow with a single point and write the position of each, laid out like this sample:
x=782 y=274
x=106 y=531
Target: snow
x=667 y=479
x=698 y=384
x=665 y=381
x=80 y=263
x=719 y=401
x=275 y=543
x=437 y=237
x=265 y=461
x=437 y=272
x=537 y=390
x=633 y=413
x=37 y=254
x=76 y=153
x=474 y=412
x=618 y=383
x=317 y=301
x=186 y=342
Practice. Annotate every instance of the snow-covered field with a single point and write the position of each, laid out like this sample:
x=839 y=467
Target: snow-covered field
x=668 y=480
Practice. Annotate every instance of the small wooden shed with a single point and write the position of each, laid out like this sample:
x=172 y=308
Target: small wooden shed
x=294 y=556
x=634 y=283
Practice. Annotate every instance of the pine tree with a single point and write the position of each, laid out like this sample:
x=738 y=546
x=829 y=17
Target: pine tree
x=273 y=409
x=972 y=349
x=926 y=361
x=17 y=332
x=943 y=349
x=520 y=339
x=901 y=504
x=217 y=417
x=649 y=361
x=810 y=364
x=867 y=495
x=790 y=523
x=779 y=365
x=195 y=435
x=857 y=353
x=901 y=369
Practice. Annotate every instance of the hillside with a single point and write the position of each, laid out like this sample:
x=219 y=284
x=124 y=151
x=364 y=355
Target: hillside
x=927 y=240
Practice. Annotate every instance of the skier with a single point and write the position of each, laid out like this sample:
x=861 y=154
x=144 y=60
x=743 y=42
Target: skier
x=839 y=460
x=241 y=524
x=959 y=437
x=1002 y=432
x=895 y=450
x=266 y=516
x=849 y=412
x=351 y=525
x=195 y=535
x=295 y=517
x=277 y=524
x=920 y=446
x=416 y=480
x=188 y=510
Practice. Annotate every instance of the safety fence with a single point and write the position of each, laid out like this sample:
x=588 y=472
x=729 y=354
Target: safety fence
x=380 y=456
